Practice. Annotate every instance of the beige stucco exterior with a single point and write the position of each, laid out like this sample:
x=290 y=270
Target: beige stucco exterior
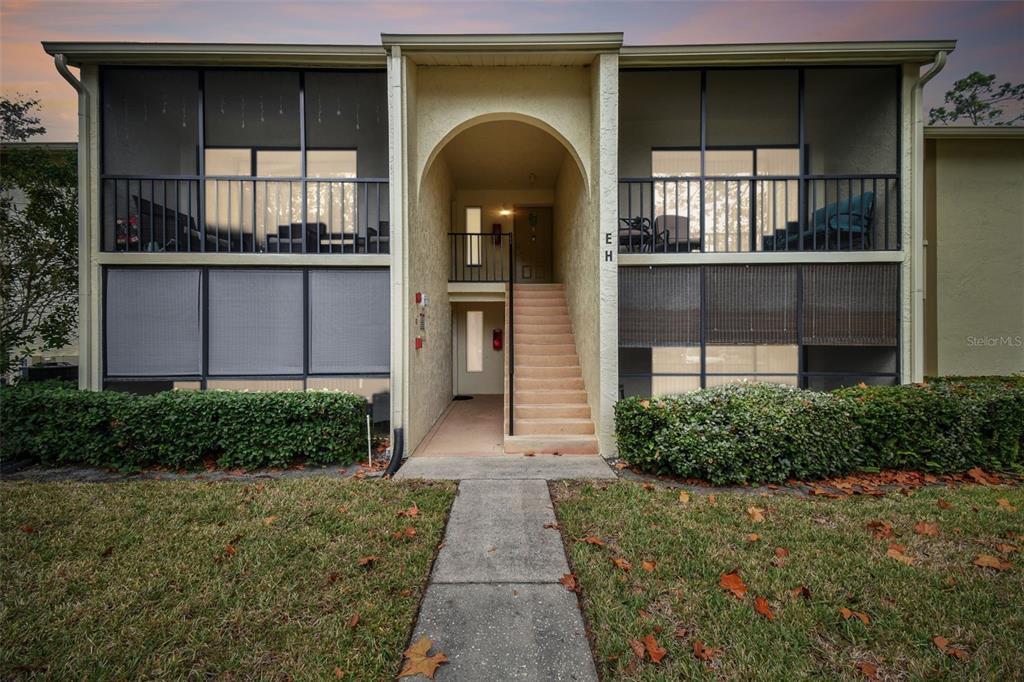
x=975 y=231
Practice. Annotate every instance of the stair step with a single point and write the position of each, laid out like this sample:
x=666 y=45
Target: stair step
x=551 y=286
x=541 y=328
x=550 y=411
x=553 y=427
x=564 y=445
x=540 y=318
x=544 y=339
x=550 y=383
x=545 y=348
x=544 y=395
x=568 y=371
x=546 y=360
x=545 y=302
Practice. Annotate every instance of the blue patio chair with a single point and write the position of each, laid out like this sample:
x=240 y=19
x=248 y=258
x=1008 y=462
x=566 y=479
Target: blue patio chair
x=842 y=222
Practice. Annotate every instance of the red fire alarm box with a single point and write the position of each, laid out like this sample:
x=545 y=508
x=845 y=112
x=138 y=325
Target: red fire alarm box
x=419 y=342
x=496 y=339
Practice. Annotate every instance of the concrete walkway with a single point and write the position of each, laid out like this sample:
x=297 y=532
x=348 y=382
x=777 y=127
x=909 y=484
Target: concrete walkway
x=494 y=605
x=507 y=467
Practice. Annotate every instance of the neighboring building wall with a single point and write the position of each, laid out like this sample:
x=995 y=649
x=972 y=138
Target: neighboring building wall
x=977 y=252
x=429 y=378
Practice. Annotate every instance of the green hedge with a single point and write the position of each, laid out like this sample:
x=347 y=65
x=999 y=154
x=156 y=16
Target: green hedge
x=180 y=429
x=761 y=433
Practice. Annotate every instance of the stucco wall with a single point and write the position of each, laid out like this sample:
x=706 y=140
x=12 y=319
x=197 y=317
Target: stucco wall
x=979 y=255
x=429 y=378
x=492 y=200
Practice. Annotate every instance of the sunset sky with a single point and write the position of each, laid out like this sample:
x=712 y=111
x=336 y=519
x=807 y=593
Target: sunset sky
x=990 y=34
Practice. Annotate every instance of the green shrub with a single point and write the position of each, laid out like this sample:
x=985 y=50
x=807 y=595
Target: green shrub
x=180 y=429
x=759 y=433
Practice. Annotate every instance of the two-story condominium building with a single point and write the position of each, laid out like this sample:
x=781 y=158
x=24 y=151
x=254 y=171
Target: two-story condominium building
x=555 y=221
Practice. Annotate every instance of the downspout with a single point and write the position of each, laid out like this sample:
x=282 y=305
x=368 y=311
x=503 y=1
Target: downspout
x=84 y=355
x=918 y=255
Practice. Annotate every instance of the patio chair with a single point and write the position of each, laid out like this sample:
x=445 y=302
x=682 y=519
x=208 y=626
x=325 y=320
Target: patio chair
x=842 y=222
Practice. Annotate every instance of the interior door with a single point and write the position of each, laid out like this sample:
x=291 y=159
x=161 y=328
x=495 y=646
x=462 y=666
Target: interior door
x=532 y=233
x=479 y=368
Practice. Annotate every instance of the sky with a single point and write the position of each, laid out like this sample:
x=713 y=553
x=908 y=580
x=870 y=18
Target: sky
x=990 y=34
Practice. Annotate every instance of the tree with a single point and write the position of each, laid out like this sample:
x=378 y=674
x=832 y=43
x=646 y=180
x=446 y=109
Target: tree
x=978 y=99
x=38 y=240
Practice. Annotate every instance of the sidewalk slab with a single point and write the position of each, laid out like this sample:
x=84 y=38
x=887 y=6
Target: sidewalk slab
x=506 y=631
x=496 y=533
x=507 y=467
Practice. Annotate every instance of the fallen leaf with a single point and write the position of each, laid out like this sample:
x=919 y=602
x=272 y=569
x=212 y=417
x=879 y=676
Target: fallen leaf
x=553 y=524
x=712 y=501
x=338 y=672
x=592 y=540
x=732 y=582
x=1005 y=504
x=110 y=550
x=704 y=653
x=1006 y=549
x=756 y=515
x=269 y=520
x=896 y=551
x=648 y=486
x=880 y=529
x=762 y=607
x=229 y=550
x=639 y=650
x=800 y=591
x=411 y=512
x=925 y=528
x=622 y=563
x=684 y=496
x=569 y=581
x=847 y=614
x=353 y=620
x=645 y=404
x=943 y=645
x=989 y=561
x=753 y=537
x=367 y=560
x=868 y=669
x=648 y=565
x=781 y=552
x=655 y=651
x=978 y=475
x=943 y=504
x=419 y=663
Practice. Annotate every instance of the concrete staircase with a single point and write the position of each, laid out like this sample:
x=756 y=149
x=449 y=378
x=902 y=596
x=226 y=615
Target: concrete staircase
x=550 y=401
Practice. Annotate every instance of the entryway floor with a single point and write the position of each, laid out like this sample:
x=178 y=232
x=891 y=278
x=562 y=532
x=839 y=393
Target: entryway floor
x=468 y=427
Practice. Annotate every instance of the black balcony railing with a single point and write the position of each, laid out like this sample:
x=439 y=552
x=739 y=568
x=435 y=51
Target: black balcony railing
x=750 y=214
x=243 y=215
x=480 y=257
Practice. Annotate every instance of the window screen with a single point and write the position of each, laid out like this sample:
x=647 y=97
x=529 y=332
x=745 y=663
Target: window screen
x=348 y=110
x=150 y=121
x=656 y=109
x=851 y=305
x=659 y=306
x=751 y=304
x=256 y=322
x=349 y=312
x=153 y=322
x=252 y=108
x=752 y=107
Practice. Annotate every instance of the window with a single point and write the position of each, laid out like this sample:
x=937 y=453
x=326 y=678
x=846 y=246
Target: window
x=474 y=341
x=350 y=321
x=474 y=218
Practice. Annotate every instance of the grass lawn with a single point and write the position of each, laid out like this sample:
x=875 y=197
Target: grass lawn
x=831 y=550
x=176 y=580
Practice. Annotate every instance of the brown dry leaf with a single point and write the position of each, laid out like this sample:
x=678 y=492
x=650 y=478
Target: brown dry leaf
x=943 y=645
x=229 y=550
x=762 y=607
x=943 y=504
x=553 y=524
x=569 y=581
x=648 y=565
x=1005 y=504
x=593 y=540
x=622 y=563
x=654 y=650
x=880 y=529
x=896 y=551
x=732 y=582
x=419 y=663
x=648 y=486
x=639 y=650
x=270 y=519
x=753 y=537
x=367 y=560
x=868 y=669
x=925 y=528
x=781 y=552
x=704 y=653
x=800 y=591
x=1007 y=549
x=338 y=672
x=989 y=561
x=684 y=497
x=645 y=404
x=353 y=620
x=847 y=614
x=712 y=501
x=978 y=476
x=412 y=512
x=27 y=529
x=756 y=515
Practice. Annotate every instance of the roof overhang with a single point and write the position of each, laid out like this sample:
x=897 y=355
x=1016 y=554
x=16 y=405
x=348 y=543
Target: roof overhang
x=503 y=49
x=766 y=54
x=974 y=132
x=219 y=54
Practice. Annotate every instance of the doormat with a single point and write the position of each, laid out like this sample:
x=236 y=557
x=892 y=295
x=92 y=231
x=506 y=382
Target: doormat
x=463 y=397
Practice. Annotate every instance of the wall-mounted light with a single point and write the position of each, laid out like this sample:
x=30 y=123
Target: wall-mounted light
x=504 y=211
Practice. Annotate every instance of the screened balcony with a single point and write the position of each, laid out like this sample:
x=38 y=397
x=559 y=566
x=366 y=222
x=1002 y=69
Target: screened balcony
x=759 y=160
x=244 y=161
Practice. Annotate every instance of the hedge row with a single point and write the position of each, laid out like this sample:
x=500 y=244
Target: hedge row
x=761 y=433
x=179 y=429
